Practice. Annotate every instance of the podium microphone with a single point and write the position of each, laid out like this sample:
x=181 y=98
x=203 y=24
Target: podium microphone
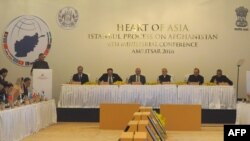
x=239 y=63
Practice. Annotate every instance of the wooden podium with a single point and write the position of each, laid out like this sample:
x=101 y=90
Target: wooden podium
x=181 y=117
x=42 y=82
x=116 y=116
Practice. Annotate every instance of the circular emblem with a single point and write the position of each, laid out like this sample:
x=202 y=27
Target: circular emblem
x=25 y=38
x=68 y=17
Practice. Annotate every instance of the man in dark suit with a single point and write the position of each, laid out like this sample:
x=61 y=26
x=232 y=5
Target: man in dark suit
x=137 y=77
x=26 y=85
x=164 y=77
x=40 y=63
x=3 y=74
x=4 y=92
x=80 y=76
x=110 y=77
x=220 y=78
x=196 y=77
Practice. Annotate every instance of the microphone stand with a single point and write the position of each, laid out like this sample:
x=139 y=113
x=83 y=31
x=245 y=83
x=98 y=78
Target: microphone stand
x=237 y=86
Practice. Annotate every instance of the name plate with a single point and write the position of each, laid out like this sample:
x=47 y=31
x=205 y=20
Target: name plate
x=104 y=83
x=136 y=83
x=193 y=83
x=223 y=84
x=75 y=83
x=165 y=83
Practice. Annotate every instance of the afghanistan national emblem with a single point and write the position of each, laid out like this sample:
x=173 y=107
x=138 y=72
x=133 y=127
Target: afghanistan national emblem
x=68 y=17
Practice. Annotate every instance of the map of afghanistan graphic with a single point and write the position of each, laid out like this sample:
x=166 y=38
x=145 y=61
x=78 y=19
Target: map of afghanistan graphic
x=26 y=45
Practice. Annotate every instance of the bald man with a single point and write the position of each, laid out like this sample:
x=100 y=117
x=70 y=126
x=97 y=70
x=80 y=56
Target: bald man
x=196 y=77
x=164 y=77
x=137 y=77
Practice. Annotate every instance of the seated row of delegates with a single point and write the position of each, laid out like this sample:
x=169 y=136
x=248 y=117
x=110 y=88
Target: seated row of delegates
x=219 y=78
x=21 y=85
x=111 y=77
x=11 y=91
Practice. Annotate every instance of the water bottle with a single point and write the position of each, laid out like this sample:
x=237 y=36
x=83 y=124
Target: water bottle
x=42 y=96
x=21 y=99
x=29 y=95
x=4 y=98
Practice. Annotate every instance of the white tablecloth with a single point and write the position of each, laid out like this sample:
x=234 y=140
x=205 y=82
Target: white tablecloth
x=17 y=123
x=209 y=97
x=243 y=113
x=91 y=96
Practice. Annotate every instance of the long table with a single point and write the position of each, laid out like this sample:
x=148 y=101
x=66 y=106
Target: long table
x=210 y=97
x=91 y=96
x=17 y=123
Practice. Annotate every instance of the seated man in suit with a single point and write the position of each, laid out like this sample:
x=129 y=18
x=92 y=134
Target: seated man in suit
x=80 y=76
x=3 y=74
x=5 y=91
x=110 y=77
x=26 y=85
x=164 y=77
x=220 y=78
x=196 y=77
x=137 y=77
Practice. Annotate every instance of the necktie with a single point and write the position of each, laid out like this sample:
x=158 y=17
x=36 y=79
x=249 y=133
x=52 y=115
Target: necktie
x=137 y=78
x=110 y=81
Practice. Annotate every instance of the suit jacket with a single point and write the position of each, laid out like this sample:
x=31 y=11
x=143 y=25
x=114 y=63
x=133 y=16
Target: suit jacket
x=220 y=79
x=105 y=77
x=83 y=79
x=2 y=95
x=132 y=78
x=198 y=78
x=38 y=64
x=167 y=78
x=25 y=91
x=2 y=81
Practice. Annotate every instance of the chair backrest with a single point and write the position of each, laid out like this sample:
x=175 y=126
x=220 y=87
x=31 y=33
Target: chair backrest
x=172 y=78
x=186 y=77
